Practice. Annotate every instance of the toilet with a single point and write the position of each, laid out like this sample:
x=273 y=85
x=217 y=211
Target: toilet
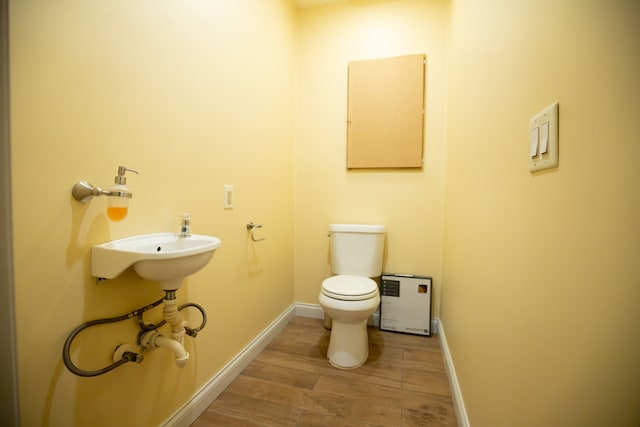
x=351 y=296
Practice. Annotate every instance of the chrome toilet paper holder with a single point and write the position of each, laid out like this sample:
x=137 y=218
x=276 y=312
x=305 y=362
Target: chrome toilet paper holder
x=251 y=227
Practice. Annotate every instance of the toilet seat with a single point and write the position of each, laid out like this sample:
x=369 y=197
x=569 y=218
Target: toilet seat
x=349 y=288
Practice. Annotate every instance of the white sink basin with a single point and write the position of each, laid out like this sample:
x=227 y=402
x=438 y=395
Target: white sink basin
x=163 y=257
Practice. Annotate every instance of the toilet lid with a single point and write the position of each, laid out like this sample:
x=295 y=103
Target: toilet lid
x=349 y=288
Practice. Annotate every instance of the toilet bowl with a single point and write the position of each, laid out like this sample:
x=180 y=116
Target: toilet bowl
x=350 y=296
x=349 y=301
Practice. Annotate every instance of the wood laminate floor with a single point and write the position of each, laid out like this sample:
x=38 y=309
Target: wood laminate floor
x=291 y=383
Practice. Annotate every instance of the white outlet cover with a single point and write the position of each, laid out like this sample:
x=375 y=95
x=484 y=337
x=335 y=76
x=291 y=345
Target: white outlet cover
x=547 y=119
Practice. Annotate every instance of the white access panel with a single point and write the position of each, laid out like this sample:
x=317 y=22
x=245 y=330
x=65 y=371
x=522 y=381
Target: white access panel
x=405 y=304
x=543 y=139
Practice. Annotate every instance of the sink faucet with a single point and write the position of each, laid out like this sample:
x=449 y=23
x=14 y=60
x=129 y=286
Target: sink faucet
x=184 y=225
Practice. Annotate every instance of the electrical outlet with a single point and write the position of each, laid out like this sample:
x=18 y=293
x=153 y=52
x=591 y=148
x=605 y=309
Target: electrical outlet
x=228 y=196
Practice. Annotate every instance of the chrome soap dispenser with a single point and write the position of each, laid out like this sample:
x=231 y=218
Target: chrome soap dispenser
x=119 y=196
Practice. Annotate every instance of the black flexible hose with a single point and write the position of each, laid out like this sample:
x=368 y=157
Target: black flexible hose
x=194 y=332
x=66 y=350
x=141 y=311
x=66 y=357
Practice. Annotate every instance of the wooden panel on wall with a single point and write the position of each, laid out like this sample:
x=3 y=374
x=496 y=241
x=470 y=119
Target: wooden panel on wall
x=385 y=113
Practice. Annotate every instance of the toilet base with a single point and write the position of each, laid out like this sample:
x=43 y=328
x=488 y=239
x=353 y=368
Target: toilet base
x=348 y=344
x=327 y=322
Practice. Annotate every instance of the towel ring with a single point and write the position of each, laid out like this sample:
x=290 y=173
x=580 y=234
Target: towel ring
x=252 y=228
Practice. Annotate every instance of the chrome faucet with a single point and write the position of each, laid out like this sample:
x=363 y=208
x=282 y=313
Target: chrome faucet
x=184 y=225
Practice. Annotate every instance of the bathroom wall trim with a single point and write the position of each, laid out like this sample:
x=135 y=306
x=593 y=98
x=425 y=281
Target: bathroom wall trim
x=186 y=415
x=458 y=402
x=315 y=311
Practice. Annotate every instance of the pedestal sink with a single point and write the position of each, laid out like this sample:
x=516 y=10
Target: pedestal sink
x=162 y=257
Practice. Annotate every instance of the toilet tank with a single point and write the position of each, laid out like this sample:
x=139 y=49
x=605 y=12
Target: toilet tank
x=357 y=249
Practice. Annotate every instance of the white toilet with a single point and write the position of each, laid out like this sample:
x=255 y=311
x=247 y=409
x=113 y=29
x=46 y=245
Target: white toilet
x=350 y=297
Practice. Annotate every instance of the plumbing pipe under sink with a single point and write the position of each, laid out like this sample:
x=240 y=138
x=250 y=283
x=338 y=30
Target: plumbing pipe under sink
x=182 y=356
x=148 y=337
x=153 y=339
x=171 y=314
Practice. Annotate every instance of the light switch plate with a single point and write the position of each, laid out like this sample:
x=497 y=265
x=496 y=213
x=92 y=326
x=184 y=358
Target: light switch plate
x=547 y=124
x=228 y=196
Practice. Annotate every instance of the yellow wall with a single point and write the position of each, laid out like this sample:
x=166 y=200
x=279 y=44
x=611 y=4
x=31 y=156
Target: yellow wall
x=540 y=289
x=194 y=95
x=538 y=275
x=408 y=202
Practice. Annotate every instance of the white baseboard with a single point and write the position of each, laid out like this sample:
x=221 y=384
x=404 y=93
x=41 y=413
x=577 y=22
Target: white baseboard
x=191 y=410
x=458 y=403
x=314 y=311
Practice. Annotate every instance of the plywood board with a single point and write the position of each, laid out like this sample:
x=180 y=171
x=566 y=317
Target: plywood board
x=385 y=114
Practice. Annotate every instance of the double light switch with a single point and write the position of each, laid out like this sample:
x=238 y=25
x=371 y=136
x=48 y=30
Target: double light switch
x=543 y=139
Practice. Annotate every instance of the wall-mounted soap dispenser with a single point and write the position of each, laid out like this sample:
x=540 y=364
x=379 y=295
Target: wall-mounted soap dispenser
x=118 y=202
x=119 y=194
